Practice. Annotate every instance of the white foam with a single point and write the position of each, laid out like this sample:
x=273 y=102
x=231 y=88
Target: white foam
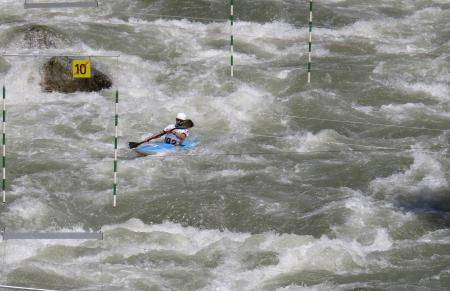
x=242 y=106
x=363 y=109
x=370 y=222
x=274 y=29
x=324 y=140
x=283 y=74
x=28 y=209
x=190 y=240
x=438 y=90
x=388 y=33
x=295 y=253
x=425 y=173
x=287 y=244
x=411 y=111
x=440 y=236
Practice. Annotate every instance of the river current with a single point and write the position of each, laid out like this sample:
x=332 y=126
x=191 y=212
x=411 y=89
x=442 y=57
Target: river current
x=339 y=184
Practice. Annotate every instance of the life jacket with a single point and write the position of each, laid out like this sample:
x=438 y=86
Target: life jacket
x=171 y=138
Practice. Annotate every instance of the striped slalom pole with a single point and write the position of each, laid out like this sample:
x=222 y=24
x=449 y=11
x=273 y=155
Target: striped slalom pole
x=4 y=146
x=310 y=40
x=231 y=37
x=116 y=123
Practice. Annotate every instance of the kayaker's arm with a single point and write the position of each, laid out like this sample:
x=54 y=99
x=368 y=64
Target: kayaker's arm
x=155 y=135
x=181 y=135
x=160 y=133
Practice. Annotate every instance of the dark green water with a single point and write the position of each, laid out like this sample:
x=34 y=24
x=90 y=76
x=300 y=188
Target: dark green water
x=339 y=184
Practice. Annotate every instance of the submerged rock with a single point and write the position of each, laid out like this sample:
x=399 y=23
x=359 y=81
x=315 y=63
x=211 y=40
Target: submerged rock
x=57 y=76
x=34 y=36
x=40 y=37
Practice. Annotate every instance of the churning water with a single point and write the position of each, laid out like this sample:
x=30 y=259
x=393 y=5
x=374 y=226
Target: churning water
x=339 y=184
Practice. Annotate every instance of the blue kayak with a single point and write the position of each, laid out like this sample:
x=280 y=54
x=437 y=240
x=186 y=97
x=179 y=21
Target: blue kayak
x=155 y=147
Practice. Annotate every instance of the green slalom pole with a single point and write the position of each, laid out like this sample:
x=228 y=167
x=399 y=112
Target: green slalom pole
x=231 y=37
x=310 y=40
x=4 y=146
x=116 y=122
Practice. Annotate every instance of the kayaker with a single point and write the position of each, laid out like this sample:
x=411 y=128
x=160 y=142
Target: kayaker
x=175 y=133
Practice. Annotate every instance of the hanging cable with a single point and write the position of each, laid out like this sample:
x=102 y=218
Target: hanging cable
x=178 y=16
x=369 y=148
x=352 y=144
x=306 y=69
x=286 y=153
x=357 y=122
x=195 y=31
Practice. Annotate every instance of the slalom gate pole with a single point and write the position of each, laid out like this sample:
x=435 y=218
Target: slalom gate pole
x=310 y=40
x=116 y=123
x=4 y=147
x=231 y=37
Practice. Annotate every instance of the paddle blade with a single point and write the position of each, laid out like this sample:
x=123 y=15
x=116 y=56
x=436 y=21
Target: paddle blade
x=185 y=124
x=133 y=144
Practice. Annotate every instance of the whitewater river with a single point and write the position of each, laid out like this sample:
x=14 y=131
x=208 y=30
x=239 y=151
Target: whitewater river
x=340 y=184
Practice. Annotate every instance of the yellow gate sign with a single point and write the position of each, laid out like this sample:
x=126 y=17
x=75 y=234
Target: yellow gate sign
x=81 y=68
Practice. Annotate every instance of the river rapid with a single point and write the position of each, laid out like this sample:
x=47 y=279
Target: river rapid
x=339 y=184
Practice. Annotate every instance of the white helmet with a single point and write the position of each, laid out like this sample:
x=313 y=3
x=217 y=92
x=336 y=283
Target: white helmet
x=181 y=116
